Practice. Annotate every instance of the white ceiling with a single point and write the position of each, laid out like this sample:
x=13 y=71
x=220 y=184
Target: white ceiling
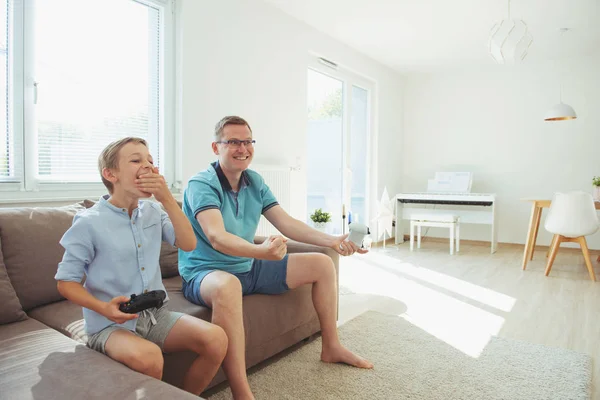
x=410 y=35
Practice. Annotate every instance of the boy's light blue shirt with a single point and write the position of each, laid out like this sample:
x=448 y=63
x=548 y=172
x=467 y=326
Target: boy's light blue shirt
x=117 y=254
x=241 y=213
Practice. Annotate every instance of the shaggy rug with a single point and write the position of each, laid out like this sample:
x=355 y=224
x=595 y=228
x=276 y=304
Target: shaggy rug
x=412 y=364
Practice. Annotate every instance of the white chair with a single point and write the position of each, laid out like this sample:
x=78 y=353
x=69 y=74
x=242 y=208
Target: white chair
x=450 y=221
x=571 y=218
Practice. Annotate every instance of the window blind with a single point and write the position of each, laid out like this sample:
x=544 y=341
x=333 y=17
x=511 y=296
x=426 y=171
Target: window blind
x=97 y=73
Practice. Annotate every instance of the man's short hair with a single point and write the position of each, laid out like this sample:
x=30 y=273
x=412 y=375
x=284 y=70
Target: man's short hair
x=109 y=158
x=229 y=120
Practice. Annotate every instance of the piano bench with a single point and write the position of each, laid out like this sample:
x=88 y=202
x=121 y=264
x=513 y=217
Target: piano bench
x=449 y=221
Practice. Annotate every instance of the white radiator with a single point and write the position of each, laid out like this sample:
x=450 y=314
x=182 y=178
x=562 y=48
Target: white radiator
x=278 y=180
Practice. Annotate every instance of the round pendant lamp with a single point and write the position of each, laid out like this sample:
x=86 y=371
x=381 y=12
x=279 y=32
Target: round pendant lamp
x=509 y=40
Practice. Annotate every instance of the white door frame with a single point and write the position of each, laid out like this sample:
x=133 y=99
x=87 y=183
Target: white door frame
x=350 y=79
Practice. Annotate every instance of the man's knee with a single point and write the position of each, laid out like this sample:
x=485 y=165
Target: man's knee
x=226 y=291
x=325 y=264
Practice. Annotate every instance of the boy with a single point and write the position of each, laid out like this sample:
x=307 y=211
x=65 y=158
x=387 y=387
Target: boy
x=116 y=245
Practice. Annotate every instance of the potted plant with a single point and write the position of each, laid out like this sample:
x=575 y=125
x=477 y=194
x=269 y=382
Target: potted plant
x=596 y=183
x=320 y=219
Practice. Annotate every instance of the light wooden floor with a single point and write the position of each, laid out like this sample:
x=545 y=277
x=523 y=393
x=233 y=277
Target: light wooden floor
x=466 y=298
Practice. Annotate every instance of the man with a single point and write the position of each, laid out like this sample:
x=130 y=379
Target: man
x=224 y=204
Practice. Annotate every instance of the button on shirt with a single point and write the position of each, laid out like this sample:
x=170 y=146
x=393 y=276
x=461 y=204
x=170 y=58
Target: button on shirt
x=117 y=254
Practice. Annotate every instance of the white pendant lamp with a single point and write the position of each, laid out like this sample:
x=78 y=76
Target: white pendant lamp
x=560 y=111
x=509 y=40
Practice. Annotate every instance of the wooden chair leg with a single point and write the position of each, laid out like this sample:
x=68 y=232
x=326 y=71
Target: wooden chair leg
x=553 y=252
x=552 y=244
x=586 y=256
x=538 y=217
x=529 y=241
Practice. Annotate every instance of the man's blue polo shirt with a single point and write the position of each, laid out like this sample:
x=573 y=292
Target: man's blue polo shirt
x=241 y=213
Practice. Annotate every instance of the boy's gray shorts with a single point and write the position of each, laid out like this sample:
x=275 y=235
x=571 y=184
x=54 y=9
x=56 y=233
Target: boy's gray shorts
x=156 y=333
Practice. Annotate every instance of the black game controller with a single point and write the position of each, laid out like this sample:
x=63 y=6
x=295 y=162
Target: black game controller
x=144 y=301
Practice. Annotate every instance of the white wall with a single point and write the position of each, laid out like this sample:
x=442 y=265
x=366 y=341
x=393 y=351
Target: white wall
x=246 y=57
x=490 y=121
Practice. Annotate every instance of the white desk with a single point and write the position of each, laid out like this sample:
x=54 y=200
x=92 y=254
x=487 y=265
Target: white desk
x=463 y=203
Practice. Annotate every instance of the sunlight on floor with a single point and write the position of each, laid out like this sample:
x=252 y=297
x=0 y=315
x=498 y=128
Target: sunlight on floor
x=483 y=295
x=464 y=326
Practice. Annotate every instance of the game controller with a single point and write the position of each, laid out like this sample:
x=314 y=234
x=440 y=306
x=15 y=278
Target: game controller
x=358 y=232
x=138 y=303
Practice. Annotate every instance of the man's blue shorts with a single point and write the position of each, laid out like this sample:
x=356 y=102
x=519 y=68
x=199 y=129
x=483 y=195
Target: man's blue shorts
x=265 y=276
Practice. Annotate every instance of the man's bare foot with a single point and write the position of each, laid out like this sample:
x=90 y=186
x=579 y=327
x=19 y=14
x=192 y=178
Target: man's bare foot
x=243 y=392
x=340 y=354
x=243 y=396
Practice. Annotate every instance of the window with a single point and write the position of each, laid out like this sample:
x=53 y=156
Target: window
x=76 y=75
x=6 y=164
x=338 y=144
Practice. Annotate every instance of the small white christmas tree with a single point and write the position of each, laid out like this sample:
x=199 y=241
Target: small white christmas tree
x=385 y=216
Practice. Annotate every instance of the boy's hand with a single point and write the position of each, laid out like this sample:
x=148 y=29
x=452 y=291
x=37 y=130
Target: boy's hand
x=345 y=247
x=274 y=248
x=112 y=312
x=154 y=183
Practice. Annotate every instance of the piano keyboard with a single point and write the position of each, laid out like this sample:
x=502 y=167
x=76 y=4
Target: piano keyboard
x=467 y=199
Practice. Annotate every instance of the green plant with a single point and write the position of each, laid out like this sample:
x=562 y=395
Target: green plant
x=596 y=181
x=319 y=216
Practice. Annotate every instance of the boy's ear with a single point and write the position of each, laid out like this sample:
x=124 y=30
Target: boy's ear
x=108 y=174
x=215 y=148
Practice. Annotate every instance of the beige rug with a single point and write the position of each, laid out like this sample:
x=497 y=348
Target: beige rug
x=411 y=364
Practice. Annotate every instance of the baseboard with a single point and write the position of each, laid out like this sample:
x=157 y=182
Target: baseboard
x=391 y=242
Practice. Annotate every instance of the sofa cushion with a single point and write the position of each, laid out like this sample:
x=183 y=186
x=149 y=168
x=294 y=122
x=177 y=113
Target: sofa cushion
x=37 y=362
x=30 y=242
x=67 y=317
x=64 y=316
x=168 y=261
x=87 y=203
x=265 y=316
x=11 y=309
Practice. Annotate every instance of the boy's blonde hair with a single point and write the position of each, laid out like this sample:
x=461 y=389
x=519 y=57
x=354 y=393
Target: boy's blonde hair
x=109 y=158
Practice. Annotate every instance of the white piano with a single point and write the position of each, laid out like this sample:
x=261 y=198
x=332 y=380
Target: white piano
x=473 y=208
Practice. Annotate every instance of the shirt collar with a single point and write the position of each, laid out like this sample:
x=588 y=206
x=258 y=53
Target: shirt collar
x=104 y=202
x=245 y=181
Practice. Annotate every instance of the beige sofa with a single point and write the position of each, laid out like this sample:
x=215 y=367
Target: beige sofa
x=42 y=352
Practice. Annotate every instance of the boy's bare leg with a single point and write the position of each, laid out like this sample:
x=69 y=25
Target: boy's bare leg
x=139 y=354
x=222 y=291
x=203 y=338
x=318 y=269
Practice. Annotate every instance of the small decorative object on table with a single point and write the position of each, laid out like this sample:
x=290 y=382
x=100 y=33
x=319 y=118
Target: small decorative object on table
x=320 y=219
x=596 y=183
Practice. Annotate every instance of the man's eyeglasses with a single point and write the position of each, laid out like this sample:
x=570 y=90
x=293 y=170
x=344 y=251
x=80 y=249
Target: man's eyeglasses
x=237 y=143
